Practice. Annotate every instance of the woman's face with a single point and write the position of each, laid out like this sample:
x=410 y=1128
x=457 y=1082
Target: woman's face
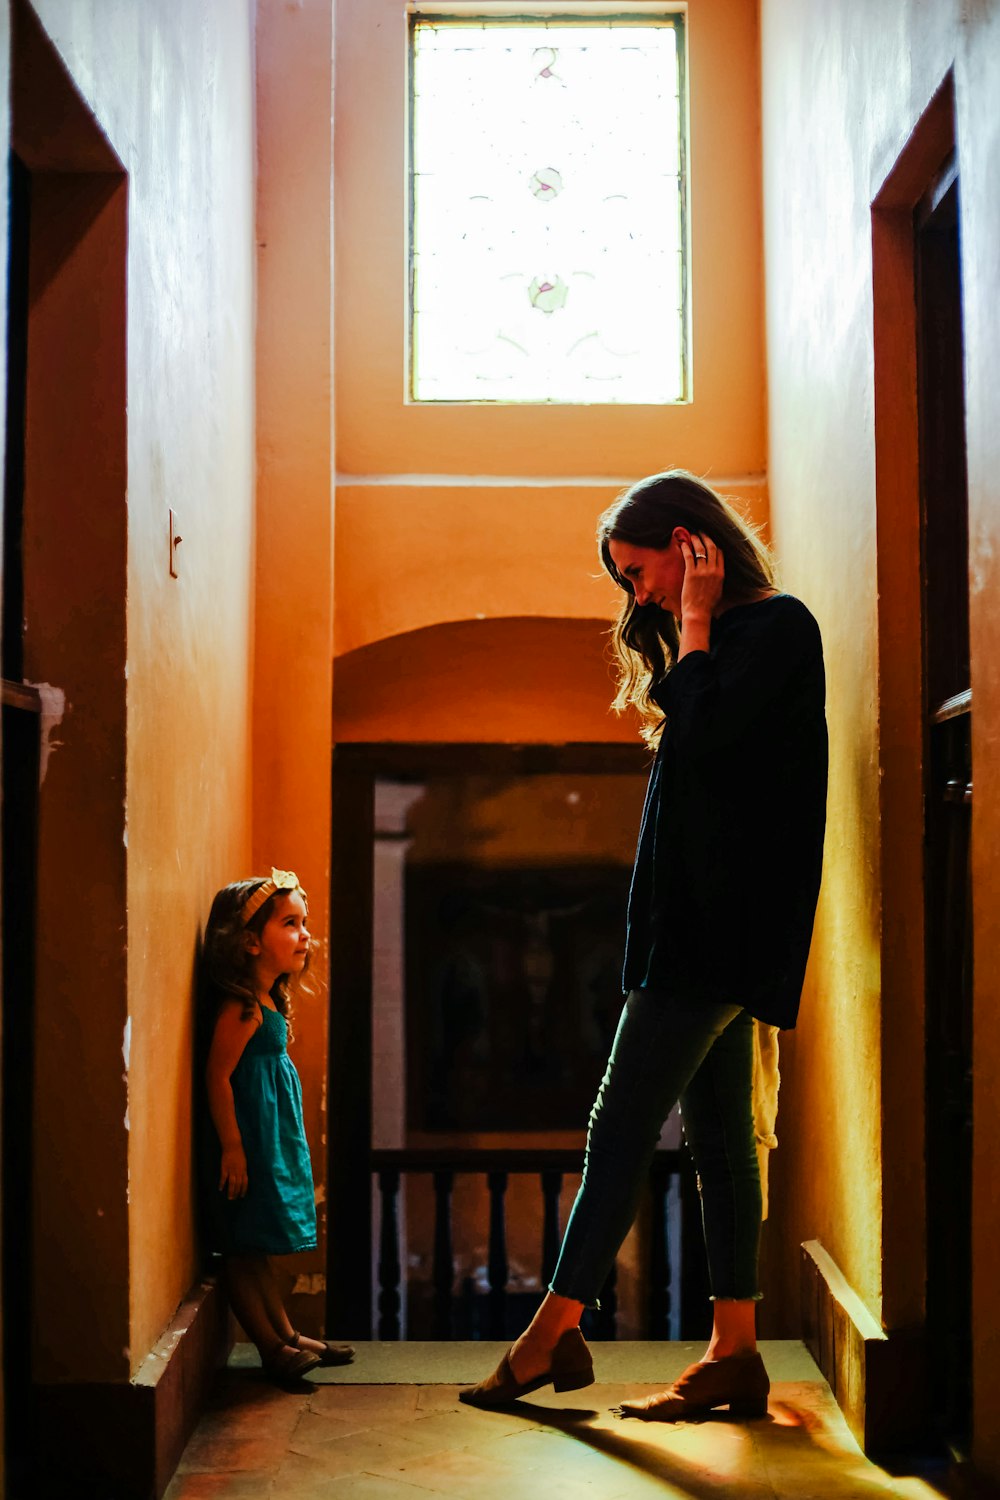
x=655 y=573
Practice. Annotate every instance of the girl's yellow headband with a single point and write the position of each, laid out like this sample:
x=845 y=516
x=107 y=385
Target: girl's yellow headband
x=279 y=880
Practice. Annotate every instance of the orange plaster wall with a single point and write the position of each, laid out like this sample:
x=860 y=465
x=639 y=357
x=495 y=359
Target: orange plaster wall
x=293 y=641
x=171 y=89
x=817 y=121
x=843 y=88
x=978 y=82
x=433 y=553
x=519 y=681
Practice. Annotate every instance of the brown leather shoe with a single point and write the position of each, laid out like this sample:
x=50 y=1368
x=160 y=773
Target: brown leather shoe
x=285 y=1365
x=333 y=1354
x=570 y=1370
x=739 y=1382
x=336 y=1354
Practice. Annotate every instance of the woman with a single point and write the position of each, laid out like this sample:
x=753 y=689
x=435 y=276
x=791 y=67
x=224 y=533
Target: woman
x=727 y=673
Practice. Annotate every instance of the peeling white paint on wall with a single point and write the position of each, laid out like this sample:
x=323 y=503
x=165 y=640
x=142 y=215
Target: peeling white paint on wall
x=53 y=701
x=319 y=1194
x=982 y=569
x=127 y=1056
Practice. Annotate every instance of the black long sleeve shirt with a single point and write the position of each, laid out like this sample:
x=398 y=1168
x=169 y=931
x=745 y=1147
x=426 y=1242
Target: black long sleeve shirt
x=730 y=852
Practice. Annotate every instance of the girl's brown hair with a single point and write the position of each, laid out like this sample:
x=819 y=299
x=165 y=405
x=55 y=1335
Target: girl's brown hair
x=645 y=638
x=228 y=964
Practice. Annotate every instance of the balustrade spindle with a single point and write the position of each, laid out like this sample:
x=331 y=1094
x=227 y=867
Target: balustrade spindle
x=659 y=1257
x=551 y=1188
x=686 y=1288
x=388 y=1266
x=607 y=1316
x=444 y=1257
x=696 y=1309
x=497 y=1268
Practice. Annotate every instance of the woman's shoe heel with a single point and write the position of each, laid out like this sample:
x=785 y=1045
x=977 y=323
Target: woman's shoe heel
x=751 y=1407
x=570 y=1369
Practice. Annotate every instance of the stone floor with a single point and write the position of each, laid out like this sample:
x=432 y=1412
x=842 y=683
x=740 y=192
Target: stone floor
x=350 y=1433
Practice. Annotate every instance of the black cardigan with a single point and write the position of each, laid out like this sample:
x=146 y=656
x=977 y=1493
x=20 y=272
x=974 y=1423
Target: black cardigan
x=730 y=852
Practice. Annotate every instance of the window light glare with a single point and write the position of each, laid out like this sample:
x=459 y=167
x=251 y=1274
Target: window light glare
x=546 y=203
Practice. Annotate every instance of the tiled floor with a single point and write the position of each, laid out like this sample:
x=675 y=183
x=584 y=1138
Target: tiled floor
x=344 y=1438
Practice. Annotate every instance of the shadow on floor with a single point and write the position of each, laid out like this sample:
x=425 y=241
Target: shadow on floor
x=793 y=1445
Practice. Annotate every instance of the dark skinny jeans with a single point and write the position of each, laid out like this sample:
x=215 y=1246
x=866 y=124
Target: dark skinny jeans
x=668 y=1049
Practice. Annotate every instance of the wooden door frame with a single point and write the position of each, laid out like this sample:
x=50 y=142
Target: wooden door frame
x=901 y=710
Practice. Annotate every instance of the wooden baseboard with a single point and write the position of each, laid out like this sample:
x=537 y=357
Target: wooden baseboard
x=124 y=1441
x=877 y=1378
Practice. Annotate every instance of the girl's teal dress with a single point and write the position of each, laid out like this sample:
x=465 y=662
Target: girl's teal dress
x=278 y=1214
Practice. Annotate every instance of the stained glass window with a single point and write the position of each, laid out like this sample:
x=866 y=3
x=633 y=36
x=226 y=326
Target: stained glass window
x=547 y=211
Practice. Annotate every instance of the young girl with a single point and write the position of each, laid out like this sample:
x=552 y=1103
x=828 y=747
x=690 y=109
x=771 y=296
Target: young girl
x=259 y=1187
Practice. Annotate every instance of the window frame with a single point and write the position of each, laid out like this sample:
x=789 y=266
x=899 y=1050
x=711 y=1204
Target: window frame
x=500 y=13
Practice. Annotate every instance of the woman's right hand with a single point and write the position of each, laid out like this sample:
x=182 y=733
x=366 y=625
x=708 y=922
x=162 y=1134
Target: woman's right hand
x=233 y=1174
x=704 y=577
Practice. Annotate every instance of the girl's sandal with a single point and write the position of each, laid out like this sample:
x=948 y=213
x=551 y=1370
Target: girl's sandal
x=286 y=1365
x=333 y=1354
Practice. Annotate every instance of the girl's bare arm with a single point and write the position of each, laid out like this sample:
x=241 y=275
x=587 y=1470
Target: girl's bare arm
x=232 y=1032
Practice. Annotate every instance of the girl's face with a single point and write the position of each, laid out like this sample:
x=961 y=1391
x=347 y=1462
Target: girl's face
x=282 y=945
x=655 y=573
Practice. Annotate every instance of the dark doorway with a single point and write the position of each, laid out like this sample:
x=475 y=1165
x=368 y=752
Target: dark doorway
x=496 y=924
x=357 y=770
x=21 y=731
x=948 y=802
x=63 y=659
x=19 y=228
x=21 y=743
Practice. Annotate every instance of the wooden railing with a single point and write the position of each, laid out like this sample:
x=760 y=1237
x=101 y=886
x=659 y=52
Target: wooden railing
x=550 y=1166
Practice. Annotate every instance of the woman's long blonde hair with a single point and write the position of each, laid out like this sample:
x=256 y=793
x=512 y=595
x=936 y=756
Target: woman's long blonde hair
x=228 y=965
x=645 y=638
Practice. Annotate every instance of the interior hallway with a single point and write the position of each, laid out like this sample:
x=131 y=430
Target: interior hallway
x=377 y=1441
x=245 y=556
